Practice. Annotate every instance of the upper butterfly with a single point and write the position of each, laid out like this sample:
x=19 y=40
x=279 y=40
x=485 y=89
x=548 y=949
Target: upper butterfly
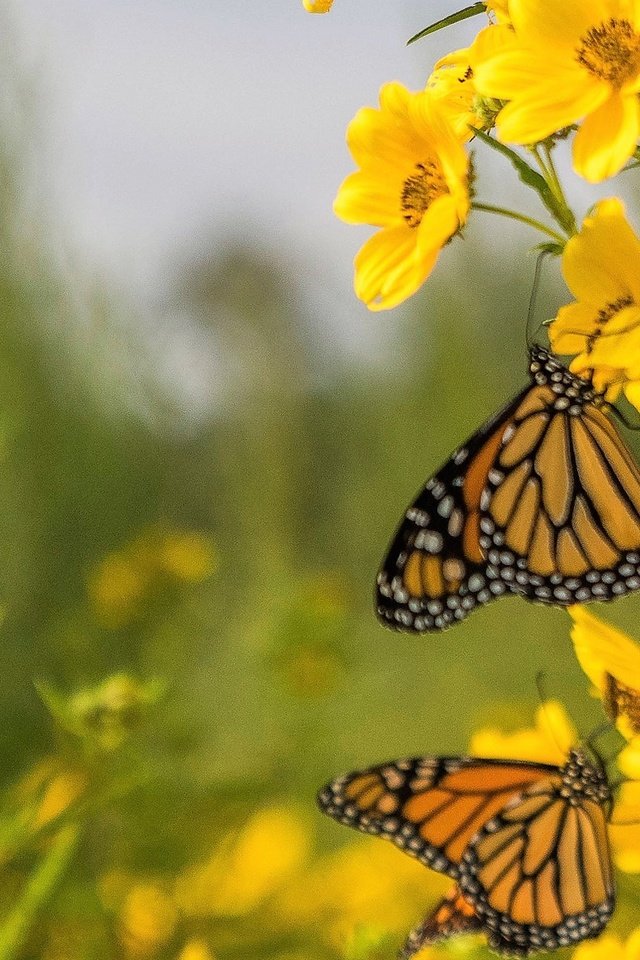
x=543 y=500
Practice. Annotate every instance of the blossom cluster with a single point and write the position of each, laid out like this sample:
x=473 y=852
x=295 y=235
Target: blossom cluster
x=536 y=76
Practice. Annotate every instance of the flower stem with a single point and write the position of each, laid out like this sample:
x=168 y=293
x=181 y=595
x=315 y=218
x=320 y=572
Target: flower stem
x=16 y=926
x=564 y=213
x=523 y=218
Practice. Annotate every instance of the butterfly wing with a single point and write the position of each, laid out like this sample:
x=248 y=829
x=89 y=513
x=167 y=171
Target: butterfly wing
x=560 y=513
x=539 y=873
x=454 y=915
x=428 y=806
x=434 y=571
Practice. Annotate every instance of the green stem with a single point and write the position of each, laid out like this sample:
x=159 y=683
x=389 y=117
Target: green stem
x=563 y=213
x=17 y=925
x=513 y=215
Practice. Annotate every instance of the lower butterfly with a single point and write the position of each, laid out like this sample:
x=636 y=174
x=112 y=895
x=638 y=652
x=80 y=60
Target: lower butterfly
x=526 y=844
x=543 y=501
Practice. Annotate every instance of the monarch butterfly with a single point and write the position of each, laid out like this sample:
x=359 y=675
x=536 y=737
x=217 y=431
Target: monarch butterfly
x=525 y=843
x=543 y=501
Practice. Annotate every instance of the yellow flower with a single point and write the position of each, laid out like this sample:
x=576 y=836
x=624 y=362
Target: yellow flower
x=317 y=6
x=248 y=866
x=610 y=947
x=611 y=660
x=601 y=266
x=148 y=919
x=578 y=61
x=413 y=183
x=548 y=741
x=188 y=555
x=452 y=83
x=195 y=949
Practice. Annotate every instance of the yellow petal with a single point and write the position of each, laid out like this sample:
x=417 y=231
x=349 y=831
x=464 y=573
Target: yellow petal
x=608 y=947
x=388 y=269
x=548 y=107
x=632 y=393
x=317 y=6
x=602 y=262
x=548 y=741
x=607 y=138
x=569 y=331
x=363 y=198
x=601 y=649
x=543 y=24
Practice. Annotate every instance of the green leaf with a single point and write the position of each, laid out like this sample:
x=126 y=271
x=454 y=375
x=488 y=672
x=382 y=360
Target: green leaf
x=527 y=174
x=465 y=14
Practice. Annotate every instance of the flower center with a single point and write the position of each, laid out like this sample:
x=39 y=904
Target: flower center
x=420 y=190
x=611 y=52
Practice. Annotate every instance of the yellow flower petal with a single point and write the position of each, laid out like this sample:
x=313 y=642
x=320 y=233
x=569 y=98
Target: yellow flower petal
x=603 y=649
x=544 y=111
x=607 y=138
x=608 y=947
x=573 y=325
x=544 y=23
x=549 y=741
x=387 y=269
x=600 y=263
x=317 y=6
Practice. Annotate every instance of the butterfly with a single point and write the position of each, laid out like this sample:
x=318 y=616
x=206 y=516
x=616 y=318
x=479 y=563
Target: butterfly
x=525 y=843
x=542 y=501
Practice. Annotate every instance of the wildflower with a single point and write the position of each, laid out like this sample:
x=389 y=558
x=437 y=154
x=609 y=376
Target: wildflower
x=195 y=949
x=187 y=555
x=610 y=947
x=317 y=6
x=452 y=83
x=548 y=741
x=578 y=62
x=413 y=183
x=601 y=266
x=347 y=895
x=247 y=866
x=148 y=919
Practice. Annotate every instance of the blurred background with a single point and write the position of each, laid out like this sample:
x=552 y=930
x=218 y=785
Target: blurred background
x=205 y=444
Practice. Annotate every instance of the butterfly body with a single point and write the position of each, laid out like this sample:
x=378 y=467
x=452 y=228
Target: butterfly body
x=525 y=843
x=542 y=501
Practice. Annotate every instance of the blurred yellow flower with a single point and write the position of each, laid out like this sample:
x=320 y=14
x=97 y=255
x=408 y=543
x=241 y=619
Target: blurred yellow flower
x=148 y=919
x=248 y=866
x=548 y=741
x=626 y=839
x=413 y=183
x=611 y=660
x=124 y=580
x=60 y=793
x=601 y=266
x=610 y=947
x=364 y=889
x=317 y=6
x=575 y=62
x=195 y=949
x=188 y=556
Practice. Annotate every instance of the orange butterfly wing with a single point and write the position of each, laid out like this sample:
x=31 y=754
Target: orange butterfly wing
x=543 y=501
x=430 y=807
x=539 y=874
x=454 y=915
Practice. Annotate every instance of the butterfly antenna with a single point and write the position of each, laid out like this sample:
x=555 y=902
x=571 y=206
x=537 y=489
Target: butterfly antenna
x=534 y=297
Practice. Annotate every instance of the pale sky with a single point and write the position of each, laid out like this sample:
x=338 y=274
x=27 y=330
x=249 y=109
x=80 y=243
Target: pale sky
x=165 y=123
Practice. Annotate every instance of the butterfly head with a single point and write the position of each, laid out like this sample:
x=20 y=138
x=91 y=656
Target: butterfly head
x=572 y=391
x=582 y=778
